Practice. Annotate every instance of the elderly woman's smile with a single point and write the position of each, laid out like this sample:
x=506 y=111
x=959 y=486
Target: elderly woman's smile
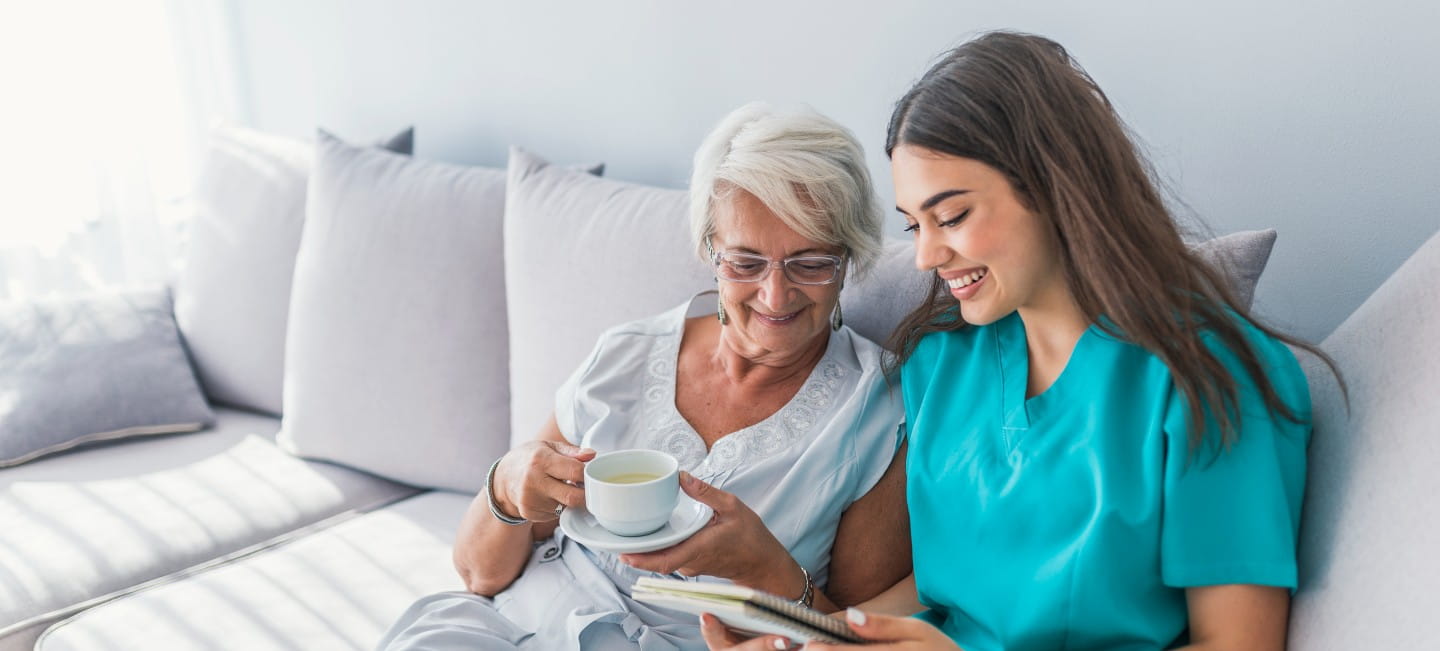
x=777 y=320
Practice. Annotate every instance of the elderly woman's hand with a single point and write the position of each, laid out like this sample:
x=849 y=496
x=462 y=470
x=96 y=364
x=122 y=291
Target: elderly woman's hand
x=534 y=479
x=736 y=545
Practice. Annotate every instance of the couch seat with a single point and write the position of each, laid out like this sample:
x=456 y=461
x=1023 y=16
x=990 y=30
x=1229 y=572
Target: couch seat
x=339 y=588
x=84 y=527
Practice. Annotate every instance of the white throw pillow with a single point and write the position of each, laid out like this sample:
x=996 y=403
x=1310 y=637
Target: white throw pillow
x=233 y=294
x=397 y=338
x=583 y=254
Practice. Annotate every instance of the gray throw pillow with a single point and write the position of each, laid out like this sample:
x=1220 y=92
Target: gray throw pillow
x=233 y=295
x=92 y=369
x=397 y=358
x=1241 y=256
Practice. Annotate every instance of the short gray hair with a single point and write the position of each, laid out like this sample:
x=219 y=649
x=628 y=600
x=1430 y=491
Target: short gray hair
x=802 y=165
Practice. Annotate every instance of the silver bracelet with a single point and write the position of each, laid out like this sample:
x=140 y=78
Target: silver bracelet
x=515 y=522
x=807 y=598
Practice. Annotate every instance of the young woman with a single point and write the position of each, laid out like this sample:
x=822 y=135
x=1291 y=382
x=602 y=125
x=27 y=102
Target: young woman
x=1106 y=451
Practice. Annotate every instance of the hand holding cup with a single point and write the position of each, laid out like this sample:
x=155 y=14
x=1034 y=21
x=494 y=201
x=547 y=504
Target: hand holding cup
x=535 y=479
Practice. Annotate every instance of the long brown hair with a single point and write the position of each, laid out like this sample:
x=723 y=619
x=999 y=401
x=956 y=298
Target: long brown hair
x=1022 y=105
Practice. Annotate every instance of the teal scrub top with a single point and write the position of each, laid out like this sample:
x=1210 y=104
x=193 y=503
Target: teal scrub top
x=1075 y=519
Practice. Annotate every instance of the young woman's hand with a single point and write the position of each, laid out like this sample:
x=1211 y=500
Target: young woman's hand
x=890 y=633
x=894 y=633
x=719 y=638
x=735 y=545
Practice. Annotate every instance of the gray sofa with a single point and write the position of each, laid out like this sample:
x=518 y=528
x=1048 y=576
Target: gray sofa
x=315 y=529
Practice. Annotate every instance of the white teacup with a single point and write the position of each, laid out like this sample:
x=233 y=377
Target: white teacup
x=632 y=492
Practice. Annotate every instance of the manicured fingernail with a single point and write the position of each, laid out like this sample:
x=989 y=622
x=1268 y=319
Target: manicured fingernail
x=779 y=643
x=855 y=615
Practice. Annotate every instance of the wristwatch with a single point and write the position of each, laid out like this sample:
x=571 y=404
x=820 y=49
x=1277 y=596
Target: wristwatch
x=500 y=515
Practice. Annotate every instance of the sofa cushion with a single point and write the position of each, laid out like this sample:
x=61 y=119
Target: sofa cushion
x=1369 y=534
x=339 y=588
x=397 y=340
x=80 y=528
x=233 y=294
x=93 y=368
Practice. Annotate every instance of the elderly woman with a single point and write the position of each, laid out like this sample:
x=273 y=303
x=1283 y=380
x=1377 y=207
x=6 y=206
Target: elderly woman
x=780 y=415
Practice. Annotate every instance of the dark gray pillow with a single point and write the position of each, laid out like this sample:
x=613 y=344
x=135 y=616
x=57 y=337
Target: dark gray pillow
x=92 y=369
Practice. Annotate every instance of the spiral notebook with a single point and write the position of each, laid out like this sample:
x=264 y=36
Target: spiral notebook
x=744 y=609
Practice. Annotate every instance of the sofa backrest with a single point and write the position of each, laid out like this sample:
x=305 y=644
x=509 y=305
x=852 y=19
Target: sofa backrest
x=1369 y=577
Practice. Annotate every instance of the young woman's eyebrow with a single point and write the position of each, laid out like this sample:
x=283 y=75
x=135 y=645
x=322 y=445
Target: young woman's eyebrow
x=934 y=199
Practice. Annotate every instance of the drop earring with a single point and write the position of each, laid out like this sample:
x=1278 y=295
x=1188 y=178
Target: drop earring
x=724 y=320
x=836 y=319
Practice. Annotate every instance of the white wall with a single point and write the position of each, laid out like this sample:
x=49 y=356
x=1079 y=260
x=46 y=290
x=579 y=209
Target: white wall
x=1321 y=119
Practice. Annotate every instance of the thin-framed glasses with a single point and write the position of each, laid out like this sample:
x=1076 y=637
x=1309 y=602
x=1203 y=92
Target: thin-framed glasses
x=801 y=269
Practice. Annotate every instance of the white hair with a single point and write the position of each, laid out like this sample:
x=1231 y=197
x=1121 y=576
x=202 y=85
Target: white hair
x=802 y=165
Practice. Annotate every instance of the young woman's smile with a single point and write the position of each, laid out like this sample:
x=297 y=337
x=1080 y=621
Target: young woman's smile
x=965 y=283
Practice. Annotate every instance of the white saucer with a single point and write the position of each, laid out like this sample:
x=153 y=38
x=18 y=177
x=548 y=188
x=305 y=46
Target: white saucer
x=687 y=518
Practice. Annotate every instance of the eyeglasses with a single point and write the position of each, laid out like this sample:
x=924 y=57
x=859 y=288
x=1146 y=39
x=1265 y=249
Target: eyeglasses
x=801 y=270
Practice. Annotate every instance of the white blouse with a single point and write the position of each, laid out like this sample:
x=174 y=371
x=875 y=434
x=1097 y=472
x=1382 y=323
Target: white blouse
x=799 y=469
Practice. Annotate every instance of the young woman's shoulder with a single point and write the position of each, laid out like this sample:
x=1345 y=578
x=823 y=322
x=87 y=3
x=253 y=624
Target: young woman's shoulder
x=1255 y=420
x=1276 y=360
